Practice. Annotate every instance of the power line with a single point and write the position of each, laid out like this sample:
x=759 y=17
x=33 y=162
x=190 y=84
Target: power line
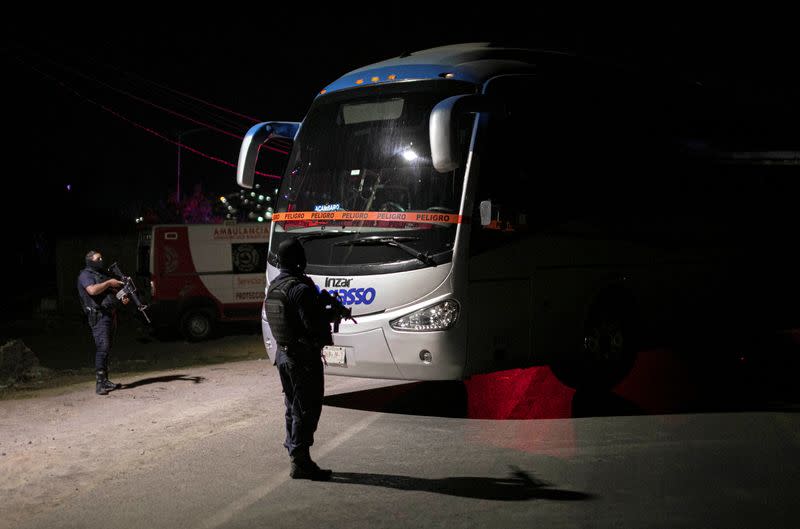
x=142 y=100
x=193 y=98
x=179 y=144
x=155 y=105
x=162 y=86
x=134 y=123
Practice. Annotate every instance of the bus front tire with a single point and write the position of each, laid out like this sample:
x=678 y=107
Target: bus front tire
x=197 y=324
x=607 y=352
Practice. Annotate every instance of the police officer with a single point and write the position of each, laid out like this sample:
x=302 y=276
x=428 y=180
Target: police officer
x=97 y=292
x=300 y=323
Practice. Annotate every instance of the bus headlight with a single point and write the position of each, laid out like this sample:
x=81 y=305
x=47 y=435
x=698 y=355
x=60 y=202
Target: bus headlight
x=438 y=317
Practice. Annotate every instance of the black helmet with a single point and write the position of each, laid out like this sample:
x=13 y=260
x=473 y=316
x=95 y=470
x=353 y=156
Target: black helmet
x=291 y=256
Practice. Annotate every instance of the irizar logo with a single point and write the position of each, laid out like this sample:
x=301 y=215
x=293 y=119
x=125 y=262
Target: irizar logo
x=337 y=282
x=347 y=295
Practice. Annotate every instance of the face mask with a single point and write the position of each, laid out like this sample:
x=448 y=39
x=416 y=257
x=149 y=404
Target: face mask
x=95 y=265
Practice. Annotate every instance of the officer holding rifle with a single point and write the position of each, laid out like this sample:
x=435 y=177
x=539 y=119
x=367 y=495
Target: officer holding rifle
x=98 y=295
x=299 y=317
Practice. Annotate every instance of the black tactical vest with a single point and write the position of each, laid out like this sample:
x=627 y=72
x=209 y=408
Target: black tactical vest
x=282 y=315
x=104 y=302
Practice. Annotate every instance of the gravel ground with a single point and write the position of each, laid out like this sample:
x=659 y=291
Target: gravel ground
x=68 y=440
x=64 y=349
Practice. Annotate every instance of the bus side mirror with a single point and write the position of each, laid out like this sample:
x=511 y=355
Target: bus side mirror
x=260 y=134
x=486 y=212
x=443 y=128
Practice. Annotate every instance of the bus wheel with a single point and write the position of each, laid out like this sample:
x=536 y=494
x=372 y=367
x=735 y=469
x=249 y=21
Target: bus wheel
x=197 y=324
x=607 y=352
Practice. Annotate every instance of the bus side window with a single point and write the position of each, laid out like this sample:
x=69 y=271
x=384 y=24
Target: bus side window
x=512 y=178
x=566 y=152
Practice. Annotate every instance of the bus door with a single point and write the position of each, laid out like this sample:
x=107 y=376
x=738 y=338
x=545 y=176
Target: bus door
x=501 y=258
x=526 y=292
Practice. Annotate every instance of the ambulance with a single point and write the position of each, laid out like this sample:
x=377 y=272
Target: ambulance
x=204 y=274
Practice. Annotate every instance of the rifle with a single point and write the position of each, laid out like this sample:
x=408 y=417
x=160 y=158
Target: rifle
x=128 y=289
x=337 y=308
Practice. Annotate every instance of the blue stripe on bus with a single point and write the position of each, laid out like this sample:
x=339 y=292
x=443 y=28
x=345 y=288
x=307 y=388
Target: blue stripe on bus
x=403 y=73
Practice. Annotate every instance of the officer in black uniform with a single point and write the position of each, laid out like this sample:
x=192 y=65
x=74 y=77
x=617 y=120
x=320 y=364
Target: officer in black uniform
x=97 y=292
x=300 y=323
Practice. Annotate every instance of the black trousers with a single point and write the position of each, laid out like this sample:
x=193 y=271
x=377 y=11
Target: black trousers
x=303 y=382
x=103 y=326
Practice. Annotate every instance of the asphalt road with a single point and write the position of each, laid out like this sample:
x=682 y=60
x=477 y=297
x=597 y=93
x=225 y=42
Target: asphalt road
x=201 y=448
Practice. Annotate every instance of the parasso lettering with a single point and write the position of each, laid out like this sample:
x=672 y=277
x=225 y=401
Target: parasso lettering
x=354 y=296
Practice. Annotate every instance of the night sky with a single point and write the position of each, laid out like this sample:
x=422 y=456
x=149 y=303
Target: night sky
x=68 y=88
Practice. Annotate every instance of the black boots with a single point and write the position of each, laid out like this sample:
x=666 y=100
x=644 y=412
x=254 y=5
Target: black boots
x=103 y=385
x=304 y=468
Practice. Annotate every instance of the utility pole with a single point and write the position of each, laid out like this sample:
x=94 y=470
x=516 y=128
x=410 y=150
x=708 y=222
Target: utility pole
x=181 y=134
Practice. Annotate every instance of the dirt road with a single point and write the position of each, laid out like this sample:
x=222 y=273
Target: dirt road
x=200 y=444
x=65 y=442
x=200 y=447
x=56 y=446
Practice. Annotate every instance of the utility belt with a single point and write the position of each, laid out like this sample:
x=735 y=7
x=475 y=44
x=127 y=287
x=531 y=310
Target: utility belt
x=299 y=346
x=98 y=310
x=94 y=314
x=300 y=349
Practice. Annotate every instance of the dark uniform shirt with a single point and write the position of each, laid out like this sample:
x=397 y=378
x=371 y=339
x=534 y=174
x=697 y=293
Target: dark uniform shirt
x=103 y=302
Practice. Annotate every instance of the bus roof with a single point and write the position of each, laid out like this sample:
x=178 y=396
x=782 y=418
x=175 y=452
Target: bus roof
x=472 y=62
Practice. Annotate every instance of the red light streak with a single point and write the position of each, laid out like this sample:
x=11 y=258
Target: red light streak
x=283 y=144
x=178 y=114
x=135 y=124
x=145 y=101
x=179 y=144
x=271 y=148
x=187 y=118
x=129 y=74
x=212 y=105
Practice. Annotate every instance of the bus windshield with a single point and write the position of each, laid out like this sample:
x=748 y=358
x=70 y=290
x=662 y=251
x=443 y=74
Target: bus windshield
x=361 y=165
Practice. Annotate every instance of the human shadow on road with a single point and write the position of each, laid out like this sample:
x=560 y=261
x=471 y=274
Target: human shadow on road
x=167 y=378
x=520 y=486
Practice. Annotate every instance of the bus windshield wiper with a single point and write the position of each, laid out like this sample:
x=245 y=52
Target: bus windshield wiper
x=397 y=242
x=325 y=234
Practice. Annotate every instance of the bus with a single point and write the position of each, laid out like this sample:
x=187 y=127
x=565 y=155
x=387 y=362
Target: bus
x=484 y=208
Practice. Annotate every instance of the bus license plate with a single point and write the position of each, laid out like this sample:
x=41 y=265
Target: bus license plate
x=334 y=355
